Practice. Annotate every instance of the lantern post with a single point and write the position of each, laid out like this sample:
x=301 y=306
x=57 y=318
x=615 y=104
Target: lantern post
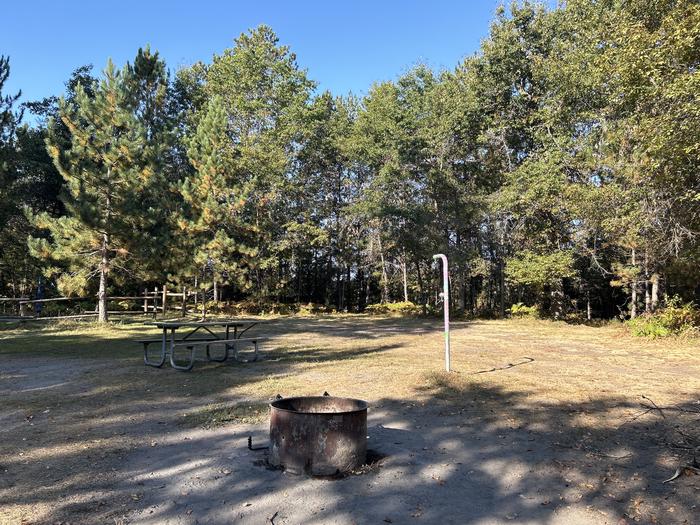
x=445 y=294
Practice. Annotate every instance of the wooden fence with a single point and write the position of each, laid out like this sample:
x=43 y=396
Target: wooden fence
x=159 y=300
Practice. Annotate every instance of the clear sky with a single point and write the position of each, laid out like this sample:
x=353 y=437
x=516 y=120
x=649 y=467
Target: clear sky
x=344 y=45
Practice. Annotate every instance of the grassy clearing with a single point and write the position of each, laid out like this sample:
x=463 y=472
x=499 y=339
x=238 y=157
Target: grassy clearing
x=77 y=398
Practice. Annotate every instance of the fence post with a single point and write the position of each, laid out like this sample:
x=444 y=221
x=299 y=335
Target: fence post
x=184 y=301
x=165 y=297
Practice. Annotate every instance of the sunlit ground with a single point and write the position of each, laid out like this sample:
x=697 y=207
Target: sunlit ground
x=78 y=406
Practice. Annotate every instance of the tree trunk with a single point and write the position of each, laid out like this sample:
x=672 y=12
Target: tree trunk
x=348 y=288
x=338 y=288
x=421 y=289
x=647 y=297
x=328 y=281
x=557 y=295
x=216 y=292
x=368 y=288
x=588 y=305
x=385 y=278
x=463 y=292
x=502 y=287
x=633 y=298
x=102 y=293
x=647 y=287
x=405 y=279
x=655 y=284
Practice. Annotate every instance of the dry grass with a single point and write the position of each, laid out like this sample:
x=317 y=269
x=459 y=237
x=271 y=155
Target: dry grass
x=77 y=398
x=212 y=416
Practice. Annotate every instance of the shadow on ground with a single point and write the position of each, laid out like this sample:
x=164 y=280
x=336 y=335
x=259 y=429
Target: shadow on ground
x=463 y=455
x=97 y=441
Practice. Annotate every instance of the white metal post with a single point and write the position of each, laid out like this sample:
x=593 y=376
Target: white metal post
x=446 y=306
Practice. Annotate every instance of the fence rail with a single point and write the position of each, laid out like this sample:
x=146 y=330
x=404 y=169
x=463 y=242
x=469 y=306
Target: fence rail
x=158 y=300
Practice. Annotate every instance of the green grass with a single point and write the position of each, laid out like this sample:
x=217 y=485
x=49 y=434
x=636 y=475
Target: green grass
x=75 y=339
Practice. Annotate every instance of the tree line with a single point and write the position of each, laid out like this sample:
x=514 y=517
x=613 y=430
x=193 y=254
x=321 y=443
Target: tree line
x=559 y=166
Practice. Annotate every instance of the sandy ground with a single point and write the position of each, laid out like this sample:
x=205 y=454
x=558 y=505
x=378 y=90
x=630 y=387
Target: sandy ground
x=541 y=423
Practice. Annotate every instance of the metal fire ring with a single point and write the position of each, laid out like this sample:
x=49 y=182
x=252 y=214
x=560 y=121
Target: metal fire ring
x=318 y=435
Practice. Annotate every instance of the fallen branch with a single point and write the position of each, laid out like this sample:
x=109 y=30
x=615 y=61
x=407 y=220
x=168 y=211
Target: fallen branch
x=635 y=418
x=509 y=365
x=588 y=450
x=672 y=408
x=682 y=470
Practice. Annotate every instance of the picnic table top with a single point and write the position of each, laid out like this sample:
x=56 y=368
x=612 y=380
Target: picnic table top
x=195 y=324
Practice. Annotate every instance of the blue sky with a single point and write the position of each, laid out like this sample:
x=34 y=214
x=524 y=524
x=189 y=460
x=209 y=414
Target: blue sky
x=344 y=45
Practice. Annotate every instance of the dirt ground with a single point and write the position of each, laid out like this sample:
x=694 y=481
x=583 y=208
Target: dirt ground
x=541 y=423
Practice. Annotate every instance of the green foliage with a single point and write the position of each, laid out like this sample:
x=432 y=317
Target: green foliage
x=557 y=166
x=255 y=306
x=8 y=117
x=401 y=309
x=247 y=116
x=14 y=263
x=214 y=225
x=648 y=326
x=519 y=310
x=536 y=270
x=114 y=177
x=676 y=318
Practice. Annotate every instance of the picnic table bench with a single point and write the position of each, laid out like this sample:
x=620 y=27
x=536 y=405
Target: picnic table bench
x=169 y=343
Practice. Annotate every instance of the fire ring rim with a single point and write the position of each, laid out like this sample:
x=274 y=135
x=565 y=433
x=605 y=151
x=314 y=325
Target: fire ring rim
x=362 y=405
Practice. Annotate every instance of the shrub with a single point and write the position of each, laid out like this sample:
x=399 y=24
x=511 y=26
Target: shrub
x=403 y=308
x=259 y=307
x=312 y=309
x=677 y=318
x=521 y=310
x=265 y=307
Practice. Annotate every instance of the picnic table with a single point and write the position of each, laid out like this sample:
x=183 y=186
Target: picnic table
x=231 y=338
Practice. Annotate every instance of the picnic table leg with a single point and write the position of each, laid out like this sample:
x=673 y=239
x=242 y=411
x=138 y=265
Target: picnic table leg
x=156 y=364
x=216 y=359
x=161 y=362
x=189 y=365
x=229 y=346
x=172 y=345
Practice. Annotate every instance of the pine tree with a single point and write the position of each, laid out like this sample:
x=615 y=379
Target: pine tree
x=112 y=184
x=214 y=225
x=264 y=94
x=10 y=209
